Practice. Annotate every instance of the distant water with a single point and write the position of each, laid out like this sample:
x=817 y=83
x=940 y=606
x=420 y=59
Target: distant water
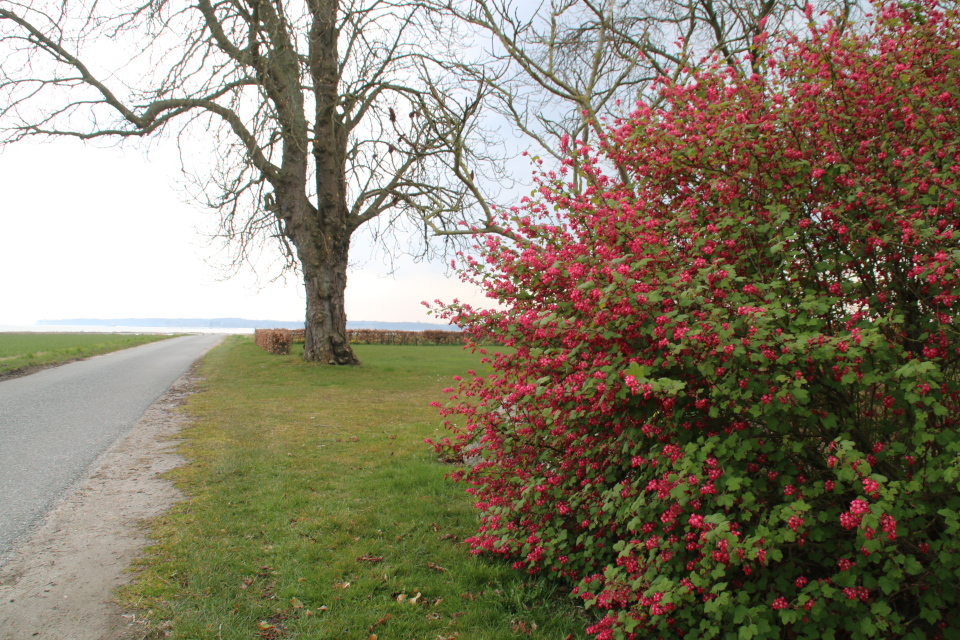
x=87 y=328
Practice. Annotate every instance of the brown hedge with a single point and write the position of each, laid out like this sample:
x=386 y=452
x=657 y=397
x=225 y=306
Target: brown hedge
x=381 y=336
x=278 y=341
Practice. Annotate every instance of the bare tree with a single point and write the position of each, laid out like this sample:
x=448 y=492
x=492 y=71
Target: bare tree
x=319 y=115
x=560 y=68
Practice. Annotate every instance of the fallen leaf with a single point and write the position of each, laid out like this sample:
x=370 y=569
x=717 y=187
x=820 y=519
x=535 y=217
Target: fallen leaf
x=401 y=597
x=308 y=613
x=436 y=567
x=433 y=616
x=379 y=622
x=414 y=599
x=393 y=437
x=367 y=557
x=437 y=602
x=434 y=526
x=519 y=626
x=354 y=439
x=323 y=607
x=295 y=603
x=264 y=625
x=449 y=536
x=373 y=636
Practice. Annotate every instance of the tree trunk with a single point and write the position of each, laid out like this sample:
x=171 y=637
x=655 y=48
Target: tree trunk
x=326 y=321
x=324 y=239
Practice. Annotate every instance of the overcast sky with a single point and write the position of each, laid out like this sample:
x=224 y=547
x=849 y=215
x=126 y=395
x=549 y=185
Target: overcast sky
x=104 y=233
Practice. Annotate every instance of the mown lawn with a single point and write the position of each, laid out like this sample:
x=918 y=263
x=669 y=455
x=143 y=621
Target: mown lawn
x=315 y=510
x=25 y=351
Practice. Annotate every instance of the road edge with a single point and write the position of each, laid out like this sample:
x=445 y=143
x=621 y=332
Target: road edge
x=59 y=582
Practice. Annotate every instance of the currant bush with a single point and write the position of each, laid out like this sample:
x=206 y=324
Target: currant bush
x=732 y=401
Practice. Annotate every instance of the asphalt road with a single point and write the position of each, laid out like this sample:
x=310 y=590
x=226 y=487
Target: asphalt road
x=55 y=423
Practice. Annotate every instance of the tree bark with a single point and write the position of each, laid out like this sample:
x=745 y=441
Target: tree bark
x=326 y=321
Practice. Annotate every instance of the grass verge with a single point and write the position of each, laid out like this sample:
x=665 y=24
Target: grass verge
x=315 y=510
x=24 y=352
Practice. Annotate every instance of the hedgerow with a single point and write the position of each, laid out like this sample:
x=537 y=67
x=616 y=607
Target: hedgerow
x=276 y=341
x=732 y=405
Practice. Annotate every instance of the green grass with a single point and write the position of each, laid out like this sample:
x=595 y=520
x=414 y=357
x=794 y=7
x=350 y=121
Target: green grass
x=283 y=506
x=19 y=351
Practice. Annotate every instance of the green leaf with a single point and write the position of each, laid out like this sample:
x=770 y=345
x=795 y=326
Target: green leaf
x=912 y=566
x=747 y=632
x=740 y=613
x=888 y=585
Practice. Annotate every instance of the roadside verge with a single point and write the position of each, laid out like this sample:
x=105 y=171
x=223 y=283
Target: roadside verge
x=59 y=584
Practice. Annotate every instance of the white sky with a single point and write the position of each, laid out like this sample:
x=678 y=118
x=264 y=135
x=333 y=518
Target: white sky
x=89 y=232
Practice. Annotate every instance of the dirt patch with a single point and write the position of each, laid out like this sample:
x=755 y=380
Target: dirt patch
x=58 y=584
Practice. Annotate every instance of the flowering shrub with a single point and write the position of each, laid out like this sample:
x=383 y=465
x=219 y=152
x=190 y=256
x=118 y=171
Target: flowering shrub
x=732 y=407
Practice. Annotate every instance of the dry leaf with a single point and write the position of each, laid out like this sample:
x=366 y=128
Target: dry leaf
x=323 y=607
x=354 y=439
x=379 y=622
x=373 y=636
x=414 y=599
x=433 y=616
x=367 y=557
x=434 y=526
x=295 y=603
x=436 y=567
x=519 y=626
x=308 y=613
x=449 y=536
x=401 y=597
x=437 y=602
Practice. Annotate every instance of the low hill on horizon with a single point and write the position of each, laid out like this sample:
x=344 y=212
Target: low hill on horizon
x=241 y=323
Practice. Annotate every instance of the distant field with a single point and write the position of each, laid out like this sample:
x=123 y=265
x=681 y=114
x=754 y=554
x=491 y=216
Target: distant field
x=20 y=351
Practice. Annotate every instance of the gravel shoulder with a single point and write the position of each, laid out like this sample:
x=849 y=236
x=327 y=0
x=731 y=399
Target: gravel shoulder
x=58 y=585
